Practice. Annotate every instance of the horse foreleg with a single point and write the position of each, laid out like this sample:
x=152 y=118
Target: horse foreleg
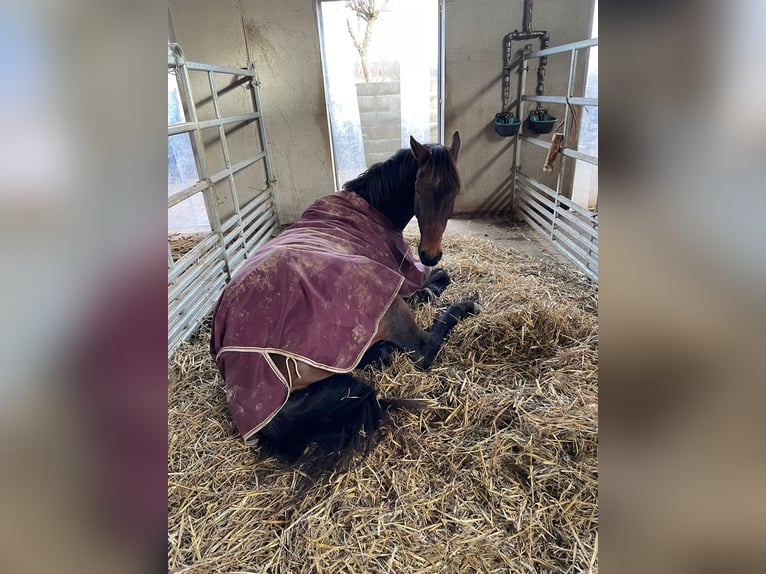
x=433 y=287
x=399 y=328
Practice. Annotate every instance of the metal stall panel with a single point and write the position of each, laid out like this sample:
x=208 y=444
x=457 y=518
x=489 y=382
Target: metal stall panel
x=570 y=228
x=196 y=279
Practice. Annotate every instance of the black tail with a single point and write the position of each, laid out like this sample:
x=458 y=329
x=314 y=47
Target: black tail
x=339 y=415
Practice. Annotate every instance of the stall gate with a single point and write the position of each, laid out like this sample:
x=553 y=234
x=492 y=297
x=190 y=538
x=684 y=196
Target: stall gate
x=570 y=228
x=196 y=279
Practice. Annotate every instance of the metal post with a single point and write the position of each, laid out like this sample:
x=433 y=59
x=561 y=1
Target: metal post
x=570 y=81
x=200 y=158
x=226 y=157
x=440 y=81
x=255 y=93
x=560 y=167
x=516 y=139
x=522 y=85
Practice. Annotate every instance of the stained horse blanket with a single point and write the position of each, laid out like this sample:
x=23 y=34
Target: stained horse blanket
x=316 y=294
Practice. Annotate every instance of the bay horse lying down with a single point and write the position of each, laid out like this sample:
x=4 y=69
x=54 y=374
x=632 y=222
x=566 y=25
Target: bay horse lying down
x=326 y=296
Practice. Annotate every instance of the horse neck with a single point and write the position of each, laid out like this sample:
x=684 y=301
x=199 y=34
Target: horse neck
x=389 y=187
x=397 y=197
x=399 y=205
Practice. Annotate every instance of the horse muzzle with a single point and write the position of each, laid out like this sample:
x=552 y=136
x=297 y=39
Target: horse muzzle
x=429 y=260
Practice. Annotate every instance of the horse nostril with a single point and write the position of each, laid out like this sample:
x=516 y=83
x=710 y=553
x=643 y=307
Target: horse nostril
x=425 y=259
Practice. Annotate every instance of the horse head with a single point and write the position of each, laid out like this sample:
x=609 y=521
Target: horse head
x=437 y=184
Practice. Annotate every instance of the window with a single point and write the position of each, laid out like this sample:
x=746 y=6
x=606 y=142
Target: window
x=585 y=189
x=372 y=117
x=190 y=215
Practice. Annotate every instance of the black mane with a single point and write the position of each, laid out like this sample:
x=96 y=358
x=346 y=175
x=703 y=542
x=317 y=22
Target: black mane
x=389 y=186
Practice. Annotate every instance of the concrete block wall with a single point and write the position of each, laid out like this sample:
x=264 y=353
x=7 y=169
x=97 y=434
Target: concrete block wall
x=380 y=113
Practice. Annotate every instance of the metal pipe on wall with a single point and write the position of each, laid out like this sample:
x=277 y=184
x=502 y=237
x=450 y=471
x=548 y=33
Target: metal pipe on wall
x=526 y=22
x=526 y=34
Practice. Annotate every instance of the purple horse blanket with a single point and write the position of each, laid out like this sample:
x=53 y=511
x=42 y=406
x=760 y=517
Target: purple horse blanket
x=315 y=294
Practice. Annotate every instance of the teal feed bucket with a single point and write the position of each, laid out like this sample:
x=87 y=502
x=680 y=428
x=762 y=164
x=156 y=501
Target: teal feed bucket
x=541 y=122
x=507 y=126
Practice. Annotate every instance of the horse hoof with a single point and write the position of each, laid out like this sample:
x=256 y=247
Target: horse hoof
x=466 y=309
x=475 y=308
x=439 y=279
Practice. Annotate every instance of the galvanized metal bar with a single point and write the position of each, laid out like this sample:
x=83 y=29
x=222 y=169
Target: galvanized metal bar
x=593 y=247
x=194 y=312
x=174 y=129
x=182 y=128
x=591 y=159
x=239 y=166
x=229 y=237
x=565 y=129
x=577 y=241
x=591 y=272
x=196 y=279
x=581 y=241
x=262 y=219
x=236 y=242
x=561 y=232
x=576 y=100
x=200 y=67
x=561 y=247
x=551 y=194
x=582 y=156
x=589 y=43
x=255 y=209
x=256 y=200
x=516 y=142
x=587 y=230
x=200 y=155
x=441 y=90
x=187 y=192
x=170 y=257
x=197 y=289
x=264 y=235
x=188 y=259
x=224 y=144
x=533 y=218
x=543 y=220
x=226 y=225
x=233 y=253
x=576 y=249
x=255 y=92
x=176 y=289
x=243 y=240
x=237 y=258
x=566 y=224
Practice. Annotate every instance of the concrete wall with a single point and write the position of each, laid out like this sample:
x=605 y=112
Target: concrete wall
x=474 y=31
x=282 y=37
x=283 y=40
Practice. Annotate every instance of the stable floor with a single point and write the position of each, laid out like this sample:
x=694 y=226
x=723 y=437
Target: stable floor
x=515 y=235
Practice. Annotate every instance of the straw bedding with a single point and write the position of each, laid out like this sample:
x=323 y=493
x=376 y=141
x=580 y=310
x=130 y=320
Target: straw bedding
x=181 y=243
x=498 y=474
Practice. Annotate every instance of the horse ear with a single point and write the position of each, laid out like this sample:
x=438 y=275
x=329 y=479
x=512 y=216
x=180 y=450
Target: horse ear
x=418 y=149
x=455 y=147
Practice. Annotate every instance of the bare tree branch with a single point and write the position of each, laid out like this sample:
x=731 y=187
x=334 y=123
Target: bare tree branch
x=367 y=11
